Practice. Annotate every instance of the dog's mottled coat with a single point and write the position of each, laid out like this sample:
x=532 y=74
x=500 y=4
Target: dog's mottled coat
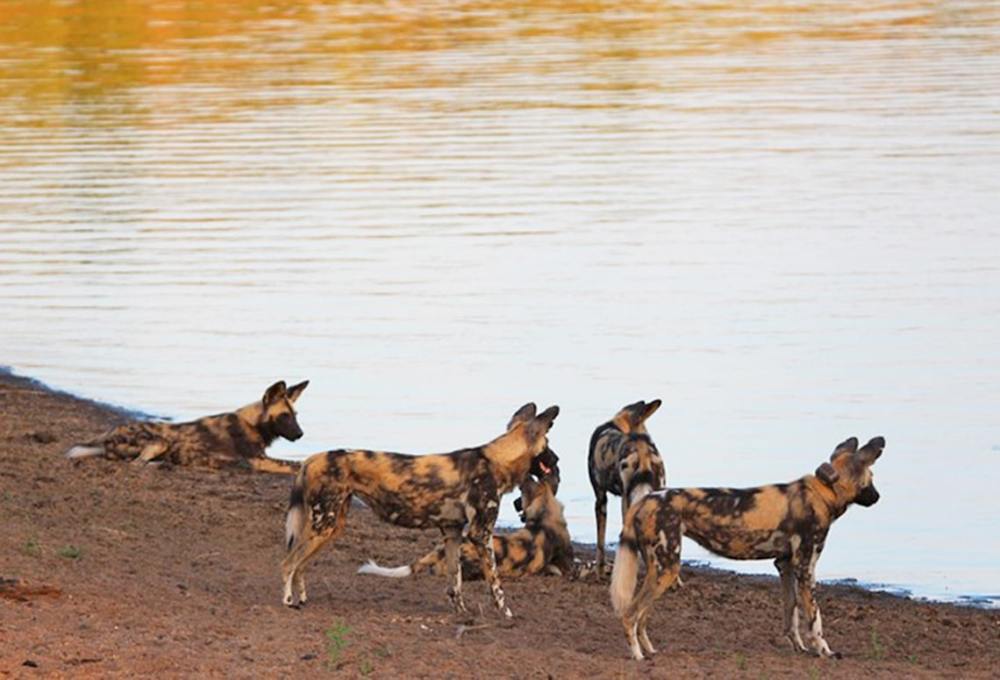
x=785 y=522
x=237 y=438
x=622 y=460
x=456 y=492
x=542 y=545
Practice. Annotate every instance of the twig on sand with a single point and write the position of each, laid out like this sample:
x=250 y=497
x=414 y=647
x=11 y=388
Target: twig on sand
x=463 y=629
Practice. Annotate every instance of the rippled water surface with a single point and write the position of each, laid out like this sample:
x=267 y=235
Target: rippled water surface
x=782 y=218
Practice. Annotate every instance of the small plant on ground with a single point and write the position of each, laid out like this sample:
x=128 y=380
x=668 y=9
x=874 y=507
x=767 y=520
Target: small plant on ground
x=32 y=548
x=70 y=552
x=877 y=651
x=365 y=667
x=741 y=661
x=336 y=641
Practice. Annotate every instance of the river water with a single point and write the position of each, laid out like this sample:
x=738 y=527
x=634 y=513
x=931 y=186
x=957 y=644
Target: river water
x=781 y=218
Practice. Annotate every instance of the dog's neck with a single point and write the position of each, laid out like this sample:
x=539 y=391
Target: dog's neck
x=510 y=458
x=833 y=501
x=252 y=417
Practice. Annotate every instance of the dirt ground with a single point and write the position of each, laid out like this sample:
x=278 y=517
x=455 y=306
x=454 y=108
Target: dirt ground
x=122 y=571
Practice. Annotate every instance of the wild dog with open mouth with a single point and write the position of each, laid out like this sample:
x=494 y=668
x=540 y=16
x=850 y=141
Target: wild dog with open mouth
x=456 y=492
x=623 y=460
x=786 y=522
x=224 y=440
x=543 y=545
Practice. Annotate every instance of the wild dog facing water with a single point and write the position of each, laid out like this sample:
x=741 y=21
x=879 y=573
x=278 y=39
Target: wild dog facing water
x=543 y=545
x=223 y=440
x=623 y=461
x=786 y=522
x=456 y=492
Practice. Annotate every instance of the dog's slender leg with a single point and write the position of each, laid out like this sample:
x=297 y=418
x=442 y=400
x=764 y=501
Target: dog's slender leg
x=452 y=544
x=805 y=569
x=293 y=566
x=483 y=540
x=667 y=562
x=150 y=452
x=601 y=512
x=789 y=597
x=275 y=467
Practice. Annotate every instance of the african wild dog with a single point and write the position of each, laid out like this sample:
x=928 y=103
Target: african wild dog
x=224 y=440
x=786 y=522
x=623 y=460
x=543 y=545
x=452 y=491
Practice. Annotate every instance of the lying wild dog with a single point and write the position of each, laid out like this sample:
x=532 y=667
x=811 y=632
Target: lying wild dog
x=623 y=460
x=456 y=492
x=223 y=440
x=786 y=522
x=543 y=545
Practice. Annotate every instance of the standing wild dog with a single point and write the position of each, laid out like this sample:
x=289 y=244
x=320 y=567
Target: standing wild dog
x=224 y=440
x=543 y=545
x=452 y=491
x=623 y=460
x=786 y=522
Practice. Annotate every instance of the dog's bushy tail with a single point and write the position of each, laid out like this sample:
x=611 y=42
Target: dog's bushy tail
x=626 y=570
x=370 y=567
x=295 y=520
x=85 y=451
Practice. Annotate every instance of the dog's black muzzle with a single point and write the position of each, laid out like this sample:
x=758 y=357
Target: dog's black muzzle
x=287 y=427
x=545 y=464
x=868 y=497
x=519 y=506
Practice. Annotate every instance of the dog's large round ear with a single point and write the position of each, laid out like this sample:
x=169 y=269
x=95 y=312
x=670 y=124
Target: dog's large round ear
x=542 y=423
x=827 y=474
x=274 y=393
x=846 y=446
x=522 y=415
x=295 y=390
x=870 y=452
x=651 y=408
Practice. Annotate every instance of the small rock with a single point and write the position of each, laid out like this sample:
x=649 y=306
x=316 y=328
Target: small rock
x=41 y=437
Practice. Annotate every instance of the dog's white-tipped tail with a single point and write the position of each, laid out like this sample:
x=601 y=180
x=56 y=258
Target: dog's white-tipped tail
x=626 y=569
x=370 y=567
x=85 y=451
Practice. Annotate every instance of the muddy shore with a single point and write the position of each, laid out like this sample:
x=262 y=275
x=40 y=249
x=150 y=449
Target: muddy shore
x=122 y=571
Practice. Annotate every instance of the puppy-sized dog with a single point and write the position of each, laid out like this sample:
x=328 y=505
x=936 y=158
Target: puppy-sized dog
x=786 y=522
x=224 y=440
x=542 y=545
x=623 y=461
x=456 y=492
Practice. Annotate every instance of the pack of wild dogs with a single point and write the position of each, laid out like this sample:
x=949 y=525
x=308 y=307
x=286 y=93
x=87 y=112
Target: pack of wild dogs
x=459 y=493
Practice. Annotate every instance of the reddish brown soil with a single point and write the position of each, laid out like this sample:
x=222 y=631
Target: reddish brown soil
x=175 y=572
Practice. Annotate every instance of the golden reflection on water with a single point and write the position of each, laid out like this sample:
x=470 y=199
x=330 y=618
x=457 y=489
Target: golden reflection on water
x=53 y=52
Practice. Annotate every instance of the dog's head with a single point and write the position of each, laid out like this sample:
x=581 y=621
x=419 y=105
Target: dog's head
x=534 y=428
x=524 y=447
x=278 y=414
x=640 y=467
x=545 y=468
x=849 y=471
x=534 y=502
x=632 y=418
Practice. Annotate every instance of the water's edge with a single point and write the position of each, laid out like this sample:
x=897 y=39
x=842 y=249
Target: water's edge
x=583 y=550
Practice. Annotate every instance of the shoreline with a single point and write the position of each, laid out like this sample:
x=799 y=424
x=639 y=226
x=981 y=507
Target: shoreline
x=125 y=571
x=979 y=601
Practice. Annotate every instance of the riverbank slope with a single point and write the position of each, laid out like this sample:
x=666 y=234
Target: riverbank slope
x=127 y=571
